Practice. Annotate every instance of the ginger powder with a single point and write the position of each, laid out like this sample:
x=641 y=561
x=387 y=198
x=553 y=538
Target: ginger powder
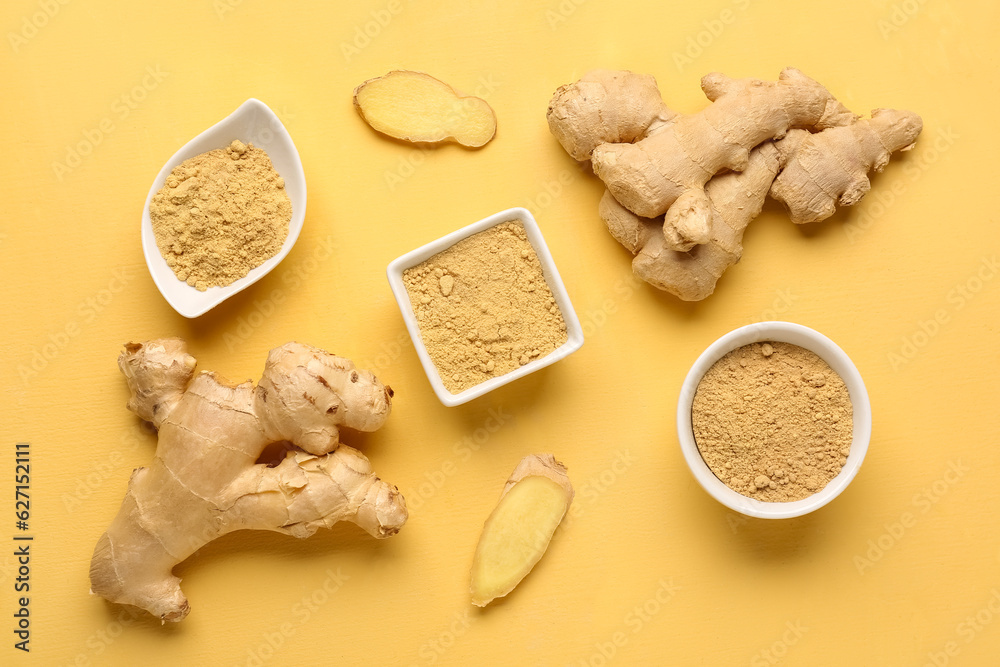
x=773 y=421
x=483 y=307
x=220 y=215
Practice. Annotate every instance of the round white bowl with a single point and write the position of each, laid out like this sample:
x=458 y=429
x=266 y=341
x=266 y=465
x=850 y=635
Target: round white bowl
x=826 y=349
x=253 y=122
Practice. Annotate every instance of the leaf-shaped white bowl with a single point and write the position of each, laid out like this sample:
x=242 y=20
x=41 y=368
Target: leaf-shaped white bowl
x=253 y=122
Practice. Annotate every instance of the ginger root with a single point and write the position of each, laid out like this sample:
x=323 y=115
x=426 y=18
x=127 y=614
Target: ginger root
x=416 y=107
x=606 y=107
x=517 y=533
x=649 y=176
x=819 y=171
x=681 y=189
x=205 y=480
x=736 y=198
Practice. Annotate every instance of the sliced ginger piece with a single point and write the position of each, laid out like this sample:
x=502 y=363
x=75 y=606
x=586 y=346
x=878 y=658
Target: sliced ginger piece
x=416 y=107
x=518 y=532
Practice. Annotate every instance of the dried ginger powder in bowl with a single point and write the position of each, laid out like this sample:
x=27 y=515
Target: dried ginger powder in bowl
x=220 y=215
x=773 y=421
x=483 y=307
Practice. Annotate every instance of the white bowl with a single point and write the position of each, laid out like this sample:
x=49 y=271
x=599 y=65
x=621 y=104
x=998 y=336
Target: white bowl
x=253 y=122
x=573 y=329
x=827 y=350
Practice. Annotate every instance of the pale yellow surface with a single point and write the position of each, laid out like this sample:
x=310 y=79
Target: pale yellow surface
x=649 y=569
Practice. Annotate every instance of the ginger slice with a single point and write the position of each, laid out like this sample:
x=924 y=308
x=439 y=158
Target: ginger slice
x=518 y=532
x=416 y=107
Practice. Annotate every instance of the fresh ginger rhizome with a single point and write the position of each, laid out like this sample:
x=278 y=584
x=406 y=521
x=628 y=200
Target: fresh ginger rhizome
x=205 y=480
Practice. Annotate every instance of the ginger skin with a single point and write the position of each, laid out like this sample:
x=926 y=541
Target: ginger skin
x=649 y=175
x=819 y=171
x=606 y=106
x=681 y=189
x=204 y=481
x=736 y=199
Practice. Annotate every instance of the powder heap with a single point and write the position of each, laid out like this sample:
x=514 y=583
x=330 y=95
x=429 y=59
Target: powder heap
x=220 y=215
x=773 y=421
x=483 y=307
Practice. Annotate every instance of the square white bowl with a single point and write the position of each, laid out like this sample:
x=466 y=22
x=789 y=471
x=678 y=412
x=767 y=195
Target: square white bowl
x=253 y=122
x=574 y=331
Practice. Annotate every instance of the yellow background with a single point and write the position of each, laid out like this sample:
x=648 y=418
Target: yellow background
x=650 y=569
